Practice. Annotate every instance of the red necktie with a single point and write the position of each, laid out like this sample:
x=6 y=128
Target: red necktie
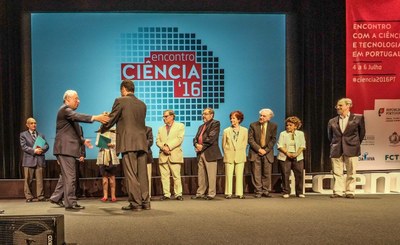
x=200 y=141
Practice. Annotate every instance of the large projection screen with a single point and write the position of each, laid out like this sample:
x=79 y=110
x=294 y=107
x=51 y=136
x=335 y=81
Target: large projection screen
x=180 y=61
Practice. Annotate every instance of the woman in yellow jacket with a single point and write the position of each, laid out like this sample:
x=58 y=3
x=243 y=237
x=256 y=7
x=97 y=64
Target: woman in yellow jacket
x=234 y=143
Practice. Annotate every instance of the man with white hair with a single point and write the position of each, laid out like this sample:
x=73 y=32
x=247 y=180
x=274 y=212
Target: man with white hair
x=345 y=132
x=67 y=148
x=262 y=138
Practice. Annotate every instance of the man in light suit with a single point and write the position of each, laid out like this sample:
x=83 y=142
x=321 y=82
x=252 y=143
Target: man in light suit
x=345 y=132
x=67 y=148
x=33 y=160
x=262 y=138
x=208 y=153
x=169 y=140
x=129 y=113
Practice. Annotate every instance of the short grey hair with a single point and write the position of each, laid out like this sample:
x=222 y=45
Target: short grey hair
x=69 y=93
x=347 y=101
x=267 y=110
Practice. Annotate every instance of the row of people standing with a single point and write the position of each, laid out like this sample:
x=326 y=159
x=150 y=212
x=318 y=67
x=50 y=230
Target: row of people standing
x=129 y=113
x=261 y=137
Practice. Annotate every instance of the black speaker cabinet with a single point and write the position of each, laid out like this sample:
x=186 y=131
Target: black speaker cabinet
x=32 y=229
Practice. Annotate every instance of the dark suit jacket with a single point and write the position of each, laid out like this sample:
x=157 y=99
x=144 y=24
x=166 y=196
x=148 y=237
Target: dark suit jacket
x=150 y=140
x=255 y=138
x=210 y=141
x=69 y=138
x=29 y=158
x=347 y=143
x=129 y=113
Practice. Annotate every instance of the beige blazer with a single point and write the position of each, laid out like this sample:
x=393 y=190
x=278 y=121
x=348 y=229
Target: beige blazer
x=174 y=141
x=234 y=151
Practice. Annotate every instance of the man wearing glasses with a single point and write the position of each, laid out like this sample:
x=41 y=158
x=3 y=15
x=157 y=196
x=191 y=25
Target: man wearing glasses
x=208 y=153
x=169 y=140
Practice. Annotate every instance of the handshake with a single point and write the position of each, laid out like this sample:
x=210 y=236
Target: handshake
x=103 y=118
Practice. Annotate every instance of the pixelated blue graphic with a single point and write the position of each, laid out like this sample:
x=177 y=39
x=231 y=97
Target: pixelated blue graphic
x=159 y=95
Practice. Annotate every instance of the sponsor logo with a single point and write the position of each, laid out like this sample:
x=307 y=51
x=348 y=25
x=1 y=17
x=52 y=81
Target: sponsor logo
x=365 y=157
x=381 y=111
x=394 y=138
x=392 y=158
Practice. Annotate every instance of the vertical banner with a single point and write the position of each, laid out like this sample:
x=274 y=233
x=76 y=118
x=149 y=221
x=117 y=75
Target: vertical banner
x=373 y=51
x=373 y=78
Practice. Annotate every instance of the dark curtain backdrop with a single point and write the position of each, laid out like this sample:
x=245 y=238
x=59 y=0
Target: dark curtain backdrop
x=315 y=62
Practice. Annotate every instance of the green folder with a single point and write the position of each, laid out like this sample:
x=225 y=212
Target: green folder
x=103 y=142
x=39 y=142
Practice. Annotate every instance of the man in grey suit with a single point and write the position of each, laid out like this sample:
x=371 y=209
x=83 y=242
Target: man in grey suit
x=345 y=132
x=33 y=160
x=262 y=138
x=67 y=148
x=208 y=153
x=129 y=113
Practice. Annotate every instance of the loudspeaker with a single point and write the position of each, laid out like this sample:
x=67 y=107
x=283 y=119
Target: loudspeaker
x=32 y=229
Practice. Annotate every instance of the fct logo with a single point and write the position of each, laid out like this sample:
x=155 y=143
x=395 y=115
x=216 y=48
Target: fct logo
x=392 y=158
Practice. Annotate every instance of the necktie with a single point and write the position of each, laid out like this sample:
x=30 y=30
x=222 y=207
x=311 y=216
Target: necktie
x=200 y=141
x=262 y=140
x=34 y=135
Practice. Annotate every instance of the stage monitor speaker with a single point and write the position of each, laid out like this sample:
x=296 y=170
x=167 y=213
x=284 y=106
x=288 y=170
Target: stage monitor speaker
x=32 y=229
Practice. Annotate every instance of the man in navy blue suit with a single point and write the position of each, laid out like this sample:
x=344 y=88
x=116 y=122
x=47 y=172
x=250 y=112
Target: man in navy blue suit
x=33 y=160
x=345 y=132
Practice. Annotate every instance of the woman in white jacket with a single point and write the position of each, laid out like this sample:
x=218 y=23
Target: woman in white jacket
x=291 y=145
x=234 y=143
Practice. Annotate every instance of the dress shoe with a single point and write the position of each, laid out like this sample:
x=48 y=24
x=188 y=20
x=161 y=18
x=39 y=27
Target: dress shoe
x=351 y=196
x=301 y=196
x=257 y=196
x=74 y=207
x=197 y=197
x=242 y=197
x=336 y=196
x=42 y=199
x=137 y=208
x=179 y=198
x=29 y=200
x=165 y=198
x=208 y=198
x=146 y=206
x=59 y=203
x=285 y=196
x=267 y=195
x=129 y=207
x=228 y=197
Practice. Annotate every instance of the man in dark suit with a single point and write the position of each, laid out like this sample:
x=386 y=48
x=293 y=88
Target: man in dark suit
x=345 y=132
x=67 y=148
x=208 y=153
x=262 y=138
x=129 y=114
x=33 y=160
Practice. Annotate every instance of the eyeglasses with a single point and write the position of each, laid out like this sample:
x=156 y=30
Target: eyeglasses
x=165 y=116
